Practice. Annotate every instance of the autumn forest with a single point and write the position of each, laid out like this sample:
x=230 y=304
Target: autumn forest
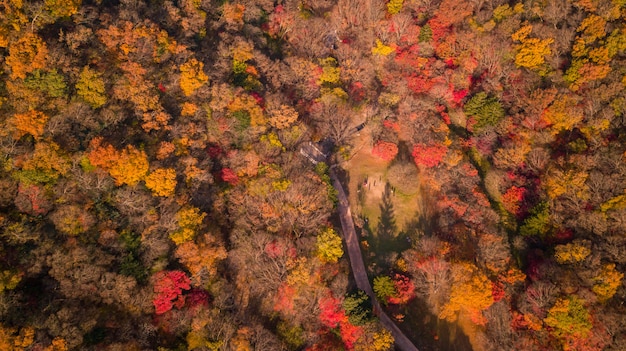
x=156 y=192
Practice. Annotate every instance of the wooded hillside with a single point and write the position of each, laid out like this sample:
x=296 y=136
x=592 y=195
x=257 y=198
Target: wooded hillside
x=153 y=195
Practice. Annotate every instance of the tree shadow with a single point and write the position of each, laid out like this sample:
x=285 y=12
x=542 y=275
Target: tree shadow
x=388 y=239
x=387 y=226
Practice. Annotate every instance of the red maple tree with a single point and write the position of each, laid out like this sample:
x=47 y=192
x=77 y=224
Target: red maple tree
x=168 y=287
x=429 y=155
x=385 y=150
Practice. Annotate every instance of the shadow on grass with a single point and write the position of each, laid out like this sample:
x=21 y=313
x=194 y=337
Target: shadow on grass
x=386 y=239
x=431 y=333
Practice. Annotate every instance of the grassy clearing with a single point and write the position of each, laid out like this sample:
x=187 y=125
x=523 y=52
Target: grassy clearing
x=367 y=191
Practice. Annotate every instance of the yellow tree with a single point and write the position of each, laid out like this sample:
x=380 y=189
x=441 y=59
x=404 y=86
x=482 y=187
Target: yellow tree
x=26 y=55
x=58 y=344
x=559 y=182
x=192 y=76
x=607 y=282
x=12 y=340
x=90 y=87
x=329 y=246
x=189 y=220
x=573 y=252
x=62 y=8
x=47 y=163
x=531 y=52
x=131 y=167
x=569 y=318
x=563 y=114
x=128 y=166
x=32 y=122
x=471 y=293
x=162 y=181
x=201 y=257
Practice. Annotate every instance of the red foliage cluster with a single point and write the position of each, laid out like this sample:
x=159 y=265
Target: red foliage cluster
x=357 y=91
x=497 y=291
x=419 y=84
x=564 y=235
x=458 y=96
x=331 y=313
x=214 y=151
x=512 y=198
x=198 y=298
x=332 y=316
x=168 y=287
x=276 y=249
x=405 y=290
x=229 y=176
x=385 y=150
x=350 y=334
x=284 y=300
x=257 y=97
x=409 y=57
x=395 y=126
x=428 y=156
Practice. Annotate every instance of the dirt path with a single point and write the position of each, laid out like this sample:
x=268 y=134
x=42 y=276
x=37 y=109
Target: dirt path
x=358 y=267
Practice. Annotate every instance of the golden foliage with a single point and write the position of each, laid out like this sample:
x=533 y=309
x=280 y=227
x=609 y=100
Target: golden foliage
x=62 y=8
x=330 y=71
x=26 y=55
x=131 y=167
x=9 y=280
x=32 y=122
x=247 y=103
x=201 y=257
x=192 y=76
x=49 y=160
x=189 y=109
x=189 y=219
x=563 y=114
x=242 y=51
x=592 y=28
x=233 y=14
x=532 y=51
x=162 y=181
x=573 y=252
x=9 y=341
x=471 y=293
x=383 y=341
x=329 y=246
x=128 y=166
x=569 y=318
x=559 y=182
x=90 y=87
x=241 y=341
x=394 y=6
x=58 y=344
x=382 y=49
x=607 y=282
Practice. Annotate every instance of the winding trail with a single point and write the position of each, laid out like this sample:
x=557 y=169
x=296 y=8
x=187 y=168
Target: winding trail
x=358 y=267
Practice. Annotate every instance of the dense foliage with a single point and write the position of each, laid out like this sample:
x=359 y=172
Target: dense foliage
x=153 y=195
